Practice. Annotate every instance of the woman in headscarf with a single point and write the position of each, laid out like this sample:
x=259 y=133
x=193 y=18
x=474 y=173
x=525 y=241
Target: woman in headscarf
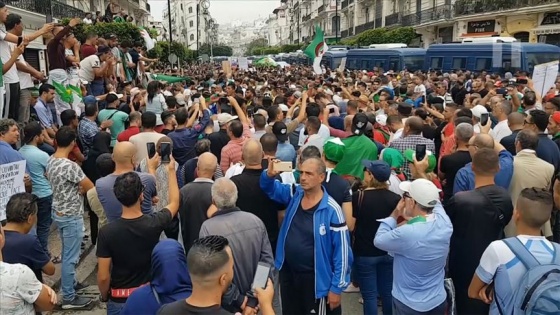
x=170 y=281
x=101 y=145
x=395 y=159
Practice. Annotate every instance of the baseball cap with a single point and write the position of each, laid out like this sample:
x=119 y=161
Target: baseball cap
x=103 y=50
x=381 y=119
x=478 y=110
x=409 y=155
x=359 y=123
x=111 y=97
x=90 y=99
x=284 y=107
x=556 y=117
x=334 y=149
x=118 y=95
x=280 y=130
x=111 y=36
x=404 y=108
x=421 y=190
x=224 y=118
x=379 y=169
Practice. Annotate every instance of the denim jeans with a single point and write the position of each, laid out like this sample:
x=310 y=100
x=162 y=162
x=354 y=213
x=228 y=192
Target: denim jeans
x=375 y=275
x=114 y=308
x=97 y=88
x=44 y=221
x=71 y=234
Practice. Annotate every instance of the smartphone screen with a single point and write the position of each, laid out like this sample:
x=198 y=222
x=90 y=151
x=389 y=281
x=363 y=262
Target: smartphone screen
x=261 y=276
x=331 y=110
x=423 y=99
x=420 y=152
x=483 y=119
x=165 y=152
x=151 y=147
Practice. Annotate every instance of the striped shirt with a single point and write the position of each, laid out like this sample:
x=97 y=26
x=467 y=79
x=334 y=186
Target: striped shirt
x=233 y=151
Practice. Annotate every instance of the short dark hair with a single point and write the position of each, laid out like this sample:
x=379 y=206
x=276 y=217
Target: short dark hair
x=272 y=112
x=202 y=146
x=149 y=120
x=67 y=116
x=181 y=115
x=45 y=88
x=90 y=109
x=65 y=136
x=128 y=188
x=310 y=152
x=486 y=162
x=105 y=164
x=236 y=128
x=20 y=207
x=535 y=206
x=527 y=139
x=259 y=121
x=464 y=112
x=207 y=255
x=11 y=21
x=32 y=130
x=539 y=118
x=313 y=110
x=269 y=142
x=6 y=124
x=314 y=123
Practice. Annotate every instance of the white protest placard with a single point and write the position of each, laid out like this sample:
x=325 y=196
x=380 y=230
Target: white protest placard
x=342 y=65
x=11 y=183
x=544 y=76
x=243 y=63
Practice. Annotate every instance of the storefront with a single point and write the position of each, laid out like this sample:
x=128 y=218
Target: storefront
x=548 y=30
x=481 y=28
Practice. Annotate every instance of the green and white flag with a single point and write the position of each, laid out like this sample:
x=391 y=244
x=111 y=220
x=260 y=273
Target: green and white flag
x=317 y=49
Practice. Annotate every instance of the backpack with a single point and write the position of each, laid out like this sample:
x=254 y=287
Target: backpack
x=539 y=290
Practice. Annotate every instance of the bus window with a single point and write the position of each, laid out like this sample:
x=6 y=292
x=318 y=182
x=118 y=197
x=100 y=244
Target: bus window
x=459 y=63
x=413 y=63
x=436 y=63
x=394 y=64
x=352 y=64
x=379 y=63
x=483 y=64
x=534 y=59
x=336 y=63
x=365 y=64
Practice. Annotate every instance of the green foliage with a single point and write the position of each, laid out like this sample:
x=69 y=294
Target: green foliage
x=217 y=50
x=290 y=48
x=383 y=36
x=254 y=44
x=162 y=51
x=126 y=32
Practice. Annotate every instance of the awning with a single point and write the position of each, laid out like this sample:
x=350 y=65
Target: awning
x=547 y=29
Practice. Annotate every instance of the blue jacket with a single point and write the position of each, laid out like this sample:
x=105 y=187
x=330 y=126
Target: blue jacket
x=464 y=180
x=333 y=254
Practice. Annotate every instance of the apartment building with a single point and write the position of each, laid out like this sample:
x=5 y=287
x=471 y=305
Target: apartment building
x=186 y=19
x=437 y=21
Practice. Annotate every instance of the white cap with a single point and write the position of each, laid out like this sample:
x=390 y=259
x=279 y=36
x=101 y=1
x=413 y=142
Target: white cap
x=423 y=191
x=119 y=96
x=478 y=110
x=381 y=119
x=180 y=99
x=284 y=107
x=224 y=118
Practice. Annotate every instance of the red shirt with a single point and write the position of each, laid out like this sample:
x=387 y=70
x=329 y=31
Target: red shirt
x=125 y=135
x=73 y=155
x=87 y=50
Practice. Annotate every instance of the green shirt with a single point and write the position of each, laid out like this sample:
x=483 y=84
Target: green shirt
x=119 y=118
x=357 y=148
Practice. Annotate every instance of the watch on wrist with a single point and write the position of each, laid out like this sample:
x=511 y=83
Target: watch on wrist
x=101 y=298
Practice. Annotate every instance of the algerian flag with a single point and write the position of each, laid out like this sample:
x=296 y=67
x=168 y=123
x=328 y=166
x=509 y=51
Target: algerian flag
x=63 y=92
x=317 y=49
x=150 y=43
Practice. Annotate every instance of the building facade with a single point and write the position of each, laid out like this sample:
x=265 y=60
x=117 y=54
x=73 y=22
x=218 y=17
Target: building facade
x=186 y=19
x=437 y=21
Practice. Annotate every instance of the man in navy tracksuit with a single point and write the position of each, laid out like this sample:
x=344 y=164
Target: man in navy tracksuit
x=313 y=252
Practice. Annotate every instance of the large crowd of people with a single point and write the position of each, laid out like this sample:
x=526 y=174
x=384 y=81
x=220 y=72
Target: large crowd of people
x=424 y=192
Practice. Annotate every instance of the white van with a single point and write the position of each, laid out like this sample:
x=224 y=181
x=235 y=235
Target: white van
x=388 y=46
x=482 y=40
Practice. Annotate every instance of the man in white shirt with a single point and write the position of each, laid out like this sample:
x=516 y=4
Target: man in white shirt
x=477 y=112
x=500 y=110
x=94 y=67
x=25 y=72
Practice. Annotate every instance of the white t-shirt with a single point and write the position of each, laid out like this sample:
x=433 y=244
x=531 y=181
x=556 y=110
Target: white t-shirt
x=19 y=289
x=324 y=133
x=87 y=66
x=420 y=89
x=11 y=75
x=500 y=130
x=25 y=80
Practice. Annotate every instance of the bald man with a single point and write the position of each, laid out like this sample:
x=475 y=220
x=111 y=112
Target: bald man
x=196 y=199
x=515 y=122
x=124 y=156
x=251 y=197
x=464 y=180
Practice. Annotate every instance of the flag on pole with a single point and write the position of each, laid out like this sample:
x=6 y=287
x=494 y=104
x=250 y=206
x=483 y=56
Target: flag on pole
x=63 y=92
x=317 y=49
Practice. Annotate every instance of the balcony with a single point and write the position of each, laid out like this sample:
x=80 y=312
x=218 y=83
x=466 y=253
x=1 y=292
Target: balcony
x=471 y=7
x=321 y=9
x=148 y=7
x=378 y=22
x=59 y=10
x=365 y=27
x=306 y=18
x=344 y=34
x=344 y=4
x=393 y=19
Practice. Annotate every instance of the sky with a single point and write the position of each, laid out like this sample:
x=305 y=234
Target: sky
x=225 y=11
